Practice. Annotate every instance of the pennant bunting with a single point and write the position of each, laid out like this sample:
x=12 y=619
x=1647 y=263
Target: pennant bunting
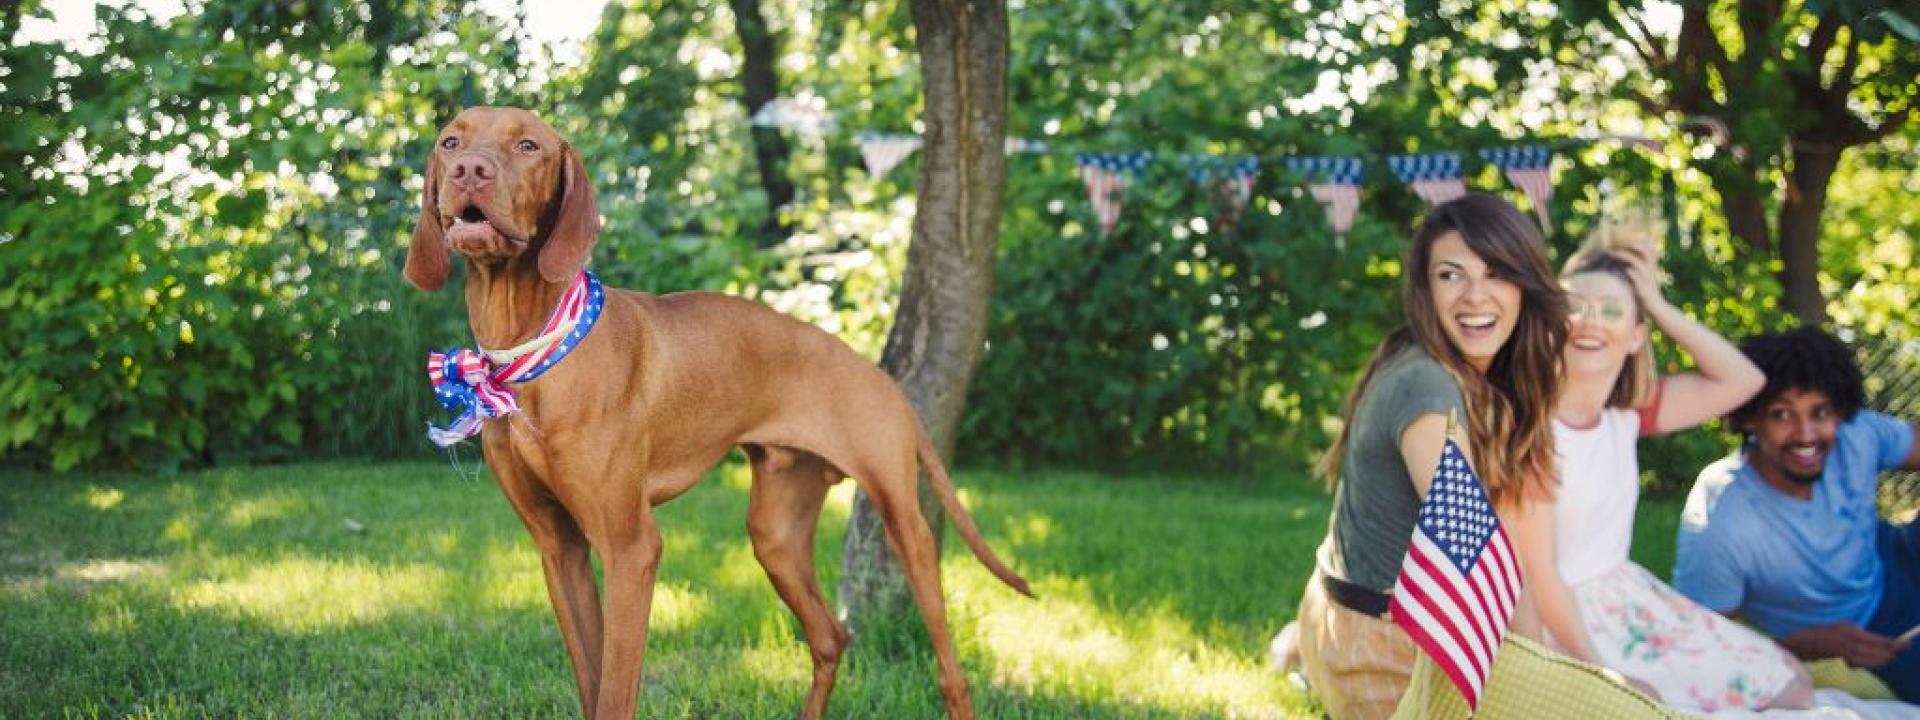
x=1020 y=145
x=1435 y=177
x=1334 y=182
x=1530 y=168
x=805 y=115
x=1108 y=175
x=1228 y=181
x=882 y=152
x=1459 y=581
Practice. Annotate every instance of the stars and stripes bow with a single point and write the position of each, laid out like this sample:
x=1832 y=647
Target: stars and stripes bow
x=1334 y=182
x=474 y=382
x=1530 y=168
x=1108 y=175
x=1459 y=582
x=1435 y=177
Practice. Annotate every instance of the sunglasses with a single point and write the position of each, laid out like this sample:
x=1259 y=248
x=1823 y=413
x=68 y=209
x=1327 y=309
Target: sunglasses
x=1606 y=311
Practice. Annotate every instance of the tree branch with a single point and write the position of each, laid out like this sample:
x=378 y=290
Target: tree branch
x=1648 y=43
x=1822 y=40
x=1843 y=83
x=1891 y=125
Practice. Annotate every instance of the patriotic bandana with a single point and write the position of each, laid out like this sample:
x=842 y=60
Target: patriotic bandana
x=474 y=381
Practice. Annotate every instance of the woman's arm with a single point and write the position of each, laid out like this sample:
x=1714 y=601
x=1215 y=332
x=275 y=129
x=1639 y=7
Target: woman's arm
x=1726 y=377
x=1533 y=538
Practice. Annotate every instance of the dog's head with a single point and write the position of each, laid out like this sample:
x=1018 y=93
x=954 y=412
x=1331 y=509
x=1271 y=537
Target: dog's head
x=500 y=183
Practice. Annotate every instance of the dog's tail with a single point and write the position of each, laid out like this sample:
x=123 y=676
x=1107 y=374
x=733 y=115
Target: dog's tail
x=937 y=473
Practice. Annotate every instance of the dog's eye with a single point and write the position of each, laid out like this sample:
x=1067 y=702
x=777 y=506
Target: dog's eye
x=450 y=142
x=526 y=146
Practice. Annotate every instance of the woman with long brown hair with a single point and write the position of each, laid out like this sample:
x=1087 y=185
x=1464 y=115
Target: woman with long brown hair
x=1485 y=325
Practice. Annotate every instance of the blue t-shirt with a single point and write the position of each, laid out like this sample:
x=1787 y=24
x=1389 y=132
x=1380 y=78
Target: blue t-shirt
x=1788 y=564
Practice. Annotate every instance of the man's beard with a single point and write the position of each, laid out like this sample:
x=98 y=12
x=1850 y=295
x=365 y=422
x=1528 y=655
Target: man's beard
x=1802 y=479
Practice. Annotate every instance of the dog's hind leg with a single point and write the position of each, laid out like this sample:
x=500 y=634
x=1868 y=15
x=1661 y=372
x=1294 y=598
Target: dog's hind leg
x=783 y=511
x=894 y=492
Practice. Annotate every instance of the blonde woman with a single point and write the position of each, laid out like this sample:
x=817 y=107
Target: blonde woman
x=1593 y=602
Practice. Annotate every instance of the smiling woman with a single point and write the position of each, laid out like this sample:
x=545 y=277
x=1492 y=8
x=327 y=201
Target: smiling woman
x=1485 y=322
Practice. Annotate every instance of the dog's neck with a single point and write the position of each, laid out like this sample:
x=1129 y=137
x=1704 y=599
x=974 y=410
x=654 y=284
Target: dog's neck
x=509 y=302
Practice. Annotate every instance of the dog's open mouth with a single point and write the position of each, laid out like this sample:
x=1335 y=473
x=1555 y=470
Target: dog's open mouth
x=472 y=230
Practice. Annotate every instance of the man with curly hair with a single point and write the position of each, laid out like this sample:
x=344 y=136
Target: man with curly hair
x=1786 y=533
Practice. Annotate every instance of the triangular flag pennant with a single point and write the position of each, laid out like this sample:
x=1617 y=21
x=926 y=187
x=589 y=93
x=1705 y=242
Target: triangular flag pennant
x=1530 y=168
x=1228 y=180
x=1335 y=183
x=807 y=115
x=1108 y=175
x=1020 y=145
x=1435 y=177
x=883 y=152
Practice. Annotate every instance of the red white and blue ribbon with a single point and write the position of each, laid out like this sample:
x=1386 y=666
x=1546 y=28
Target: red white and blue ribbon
x=1108 y=175
x=1530 y=168
x=1334 y=181
x=474 y=382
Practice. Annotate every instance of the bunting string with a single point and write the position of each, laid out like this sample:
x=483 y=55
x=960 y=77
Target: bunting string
x=1227 y=181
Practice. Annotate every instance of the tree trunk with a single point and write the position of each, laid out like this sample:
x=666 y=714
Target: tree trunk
x=1806 y=200
x=940 y=329
x=759 y=85
x=1746 y=213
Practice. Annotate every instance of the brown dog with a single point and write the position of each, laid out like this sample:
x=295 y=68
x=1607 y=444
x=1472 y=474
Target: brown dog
x=656 y=394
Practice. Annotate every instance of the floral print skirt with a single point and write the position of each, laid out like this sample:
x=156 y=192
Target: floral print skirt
x=1696 y=658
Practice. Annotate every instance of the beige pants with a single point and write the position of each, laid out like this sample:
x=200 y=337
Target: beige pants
x=1357 y=664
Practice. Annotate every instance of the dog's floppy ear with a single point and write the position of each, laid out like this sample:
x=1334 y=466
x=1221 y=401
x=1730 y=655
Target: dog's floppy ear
x=427 y=256
x=575 y=227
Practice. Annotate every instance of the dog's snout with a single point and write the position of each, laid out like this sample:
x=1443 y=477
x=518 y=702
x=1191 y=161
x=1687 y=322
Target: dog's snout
x=472 y=172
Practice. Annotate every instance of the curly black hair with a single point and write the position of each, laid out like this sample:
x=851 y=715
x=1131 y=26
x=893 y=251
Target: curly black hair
x=1806 y=359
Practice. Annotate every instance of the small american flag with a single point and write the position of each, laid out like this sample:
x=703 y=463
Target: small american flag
x=1108 y=176
x=1530 y=168
x=1459 y=583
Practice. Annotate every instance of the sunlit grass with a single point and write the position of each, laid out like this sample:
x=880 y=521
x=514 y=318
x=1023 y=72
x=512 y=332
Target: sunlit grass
x=404 y=591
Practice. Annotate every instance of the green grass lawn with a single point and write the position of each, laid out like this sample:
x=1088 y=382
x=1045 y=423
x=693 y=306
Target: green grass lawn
x=404 y=590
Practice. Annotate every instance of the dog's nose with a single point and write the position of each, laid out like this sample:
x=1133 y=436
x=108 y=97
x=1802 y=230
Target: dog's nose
x=472 y=172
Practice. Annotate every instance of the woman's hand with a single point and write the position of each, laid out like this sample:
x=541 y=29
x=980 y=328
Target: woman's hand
x=1642 y=269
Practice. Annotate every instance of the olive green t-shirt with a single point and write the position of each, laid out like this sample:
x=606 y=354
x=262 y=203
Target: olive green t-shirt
x=1374 y=506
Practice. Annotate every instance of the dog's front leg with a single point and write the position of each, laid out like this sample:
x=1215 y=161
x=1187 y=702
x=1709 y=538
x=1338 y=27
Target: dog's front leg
x=631 y=556
x=568 y=568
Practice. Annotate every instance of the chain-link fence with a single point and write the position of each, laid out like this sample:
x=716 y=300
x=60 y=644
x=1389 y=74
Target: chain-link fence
x=1892 y=372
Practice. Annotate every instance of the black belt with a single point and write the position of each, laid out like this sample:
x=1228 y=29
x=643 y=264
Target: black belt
x=1363 y=600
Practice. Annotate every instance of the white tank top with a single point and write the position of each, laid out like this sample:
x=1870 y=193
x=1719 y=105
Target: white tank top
x=1599 y=487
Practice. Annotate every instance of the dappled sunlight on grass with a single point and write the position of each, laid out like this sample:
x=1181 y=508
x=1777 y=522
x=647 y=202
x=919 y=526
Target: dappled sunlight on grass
x=245 y=512
x=305 y=594
x=219 y=590
x=100 y=498
x=1063 y=643
x=514 y=580
x=738 y=568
